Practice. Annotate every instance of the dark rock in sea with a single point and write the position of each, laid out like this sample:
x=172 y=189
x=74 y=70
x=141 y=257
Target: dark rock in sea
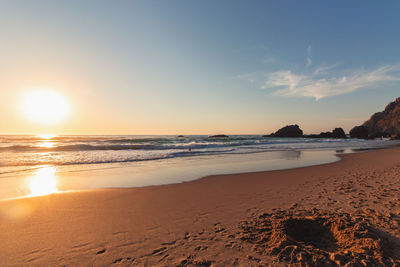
x=268 y=135
x=288 y=131
x=218 y=136
x=180 y=136
x=360 y=132
x=385 y=123
x=295 y=131
x=378 y=135
x=338 y=133
x=325 y=135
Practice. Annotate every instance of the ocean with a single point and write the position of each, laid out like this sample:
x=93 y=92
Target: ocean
x=99 y=161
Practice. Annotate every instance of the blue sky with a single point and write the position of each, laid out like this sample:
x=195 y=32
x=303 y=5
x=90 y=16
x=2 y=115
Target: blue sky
x=172 y=67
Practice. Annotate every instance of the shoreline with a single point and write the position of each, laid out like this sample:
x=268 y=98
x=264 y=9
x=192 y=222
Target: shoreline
x=125 y=226
x=169 y=171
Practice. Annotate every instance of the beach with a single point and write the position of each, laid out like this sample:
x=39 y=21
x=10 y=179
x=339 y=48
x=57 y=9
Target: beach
x=212 y=221
x=200 y=133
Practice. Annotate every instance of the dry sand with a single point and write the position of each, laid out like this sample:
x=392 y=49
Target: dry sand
x=346 y=212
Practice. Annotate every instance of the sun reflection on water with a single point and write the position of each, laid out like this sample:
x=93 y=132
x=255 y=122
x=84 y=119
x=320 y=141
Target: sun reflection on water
x=43 y=182
x=46 y=140
x=46 y=136
x=46 y=144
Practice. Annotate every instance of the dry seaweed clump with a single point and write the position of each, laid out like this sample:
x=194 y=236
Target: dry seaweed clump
x=316 y=238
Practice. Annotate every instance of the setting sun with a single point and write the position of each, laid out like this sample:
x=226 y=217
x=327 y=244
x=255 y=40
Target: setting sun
x=45 y=107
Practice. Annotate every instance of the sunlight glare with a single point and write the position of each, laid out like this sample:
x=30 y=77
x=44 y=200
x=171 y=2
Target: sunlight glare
x=45 y=107
x=43 y=182
x=46 y=144
x=46 y=140
x=46 y=136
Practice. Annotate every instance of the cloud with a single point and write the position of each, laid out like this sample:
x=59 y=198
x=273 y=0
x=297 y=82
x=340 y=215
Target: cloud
x=314 y=85
x=309 y=61
x=268 y=60
x=325 y=69
x=250 y=77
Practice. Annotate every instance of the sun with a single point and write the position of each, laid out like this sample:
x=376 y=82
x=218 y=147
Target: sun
x=44 y=106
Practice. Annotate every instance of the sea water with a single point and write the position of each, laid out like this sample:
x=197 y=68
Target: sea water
x=37 y=165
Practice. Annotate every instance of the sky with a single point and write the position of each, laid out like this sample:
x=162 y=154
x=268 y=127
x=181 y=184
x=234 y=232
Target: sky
x=199 y=67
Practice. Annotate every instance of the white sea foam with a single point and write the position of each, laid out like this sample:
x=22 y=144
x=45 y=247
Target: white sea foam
x=24 y=152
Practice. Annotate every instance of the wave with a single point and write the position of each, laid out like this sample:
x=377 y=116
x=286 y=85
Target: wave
x=104 y=159
x=55 y=162
x=81 y=147
x=168 y=144
x=15 y=151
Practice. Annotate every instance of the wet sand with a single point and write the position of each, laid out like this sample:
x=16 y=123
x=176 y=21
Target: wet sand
x=348 y=212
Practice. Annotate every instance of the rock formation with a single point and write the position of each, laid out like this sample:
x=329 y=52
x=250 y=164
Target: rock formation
x=385 y=123
x=218 y=136
x=360 y=132
x=336 y=133
x=287 y=131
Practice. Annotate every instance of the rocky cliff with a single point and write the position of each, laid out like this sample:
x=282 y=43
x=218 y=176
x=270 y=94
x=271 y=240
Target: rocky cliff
x=385 y=123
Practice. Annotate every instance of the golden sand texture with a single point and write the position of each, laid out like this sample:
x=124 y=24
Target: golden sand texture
x=317 y=238
x=340 y=214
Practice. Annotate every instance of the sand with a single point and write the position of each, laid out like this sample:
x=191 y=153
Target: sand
x=341 y=213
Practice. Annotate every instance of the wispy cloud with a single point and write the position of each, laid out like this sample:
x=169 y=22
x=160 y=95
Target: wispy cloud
x=268 y=60
x=319 y=81
x=250 y=77
x=325 y=69
x=309 y=61
x=319 y=86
